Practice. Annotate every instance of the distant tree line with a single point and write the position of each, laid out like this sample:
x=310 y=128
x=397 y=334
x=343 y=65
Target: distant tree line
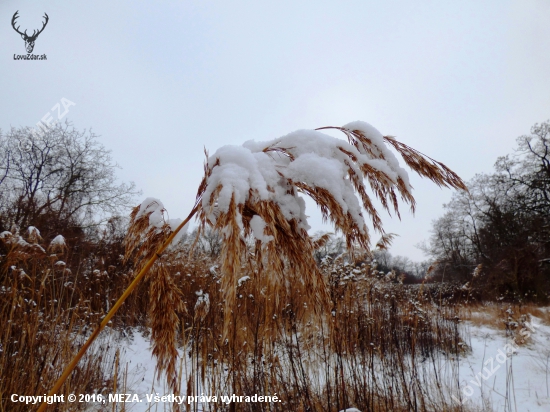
x=503 y=224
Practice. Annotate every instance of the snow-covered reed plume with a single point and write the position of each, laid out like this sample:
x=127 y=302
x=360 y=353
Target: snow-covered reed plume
x=256 y=190
x=58 y=245
x=19 y=248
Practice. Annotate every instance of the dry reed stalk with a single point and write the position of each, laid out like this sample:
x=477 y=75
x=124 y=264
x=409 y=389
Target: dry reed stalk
x=115 y=378
x=166 y=303
x=41 y=319
x=114 y=309
x=283 y=264
x=286 y=261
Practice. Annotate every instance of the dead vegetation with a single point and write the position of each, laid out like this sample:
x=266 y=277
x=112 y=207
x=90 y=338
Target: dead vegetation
x=370 y=351
x=510 y=318
x=266 y=209
x=45 y=312
x=382 y=346
x=265 y=317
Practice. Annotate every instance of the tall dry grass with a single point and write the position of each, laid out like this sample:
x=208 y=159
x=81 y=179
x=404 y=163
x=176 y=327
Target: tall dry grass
x=289 y=256
x=383 y=346
x=288 y=296
x=46 y=310
x=274 y=291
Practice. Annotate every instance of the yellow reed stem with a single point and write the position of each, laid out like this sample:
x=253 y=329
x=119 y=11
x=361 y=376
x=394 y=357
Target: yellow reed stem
x=113 y=310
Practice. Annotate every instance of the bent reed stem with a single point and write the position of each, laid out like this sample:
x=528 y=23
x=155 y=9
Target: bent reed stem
x=114 y=309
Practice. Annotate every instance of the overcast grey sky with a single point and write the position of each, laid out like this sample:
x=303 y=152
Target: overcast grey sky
x=457 y=80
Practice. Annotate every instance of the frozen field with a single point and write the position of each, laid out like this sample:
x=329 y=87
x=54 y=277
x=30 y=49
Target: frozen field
x=489 y=380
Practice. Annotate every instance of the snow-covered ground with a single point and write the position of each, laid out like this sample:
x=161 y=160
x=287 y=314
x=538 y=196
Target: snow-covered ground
x=489 y=380
x=141 y=379
x=520 y=382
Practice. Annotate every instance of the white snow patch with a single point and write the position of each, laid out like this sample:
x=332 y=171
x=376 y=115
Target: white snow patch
x=58 y=241
x=268 y=170
x=524 y=375
x=258 y=225
x=242 y=280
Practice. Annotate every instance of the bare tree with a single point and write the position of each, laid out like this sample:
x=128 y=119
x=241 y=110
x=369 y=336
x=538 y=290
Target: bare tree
x=64 y=175
x=503 y=222
x=526 y=173
x=208 y=242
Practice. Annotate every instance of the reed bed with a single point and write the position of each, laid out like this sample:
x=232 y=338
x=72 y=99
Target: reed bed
x=266 y=317
x=383 y=346
x=46 y=311
x=271 y=317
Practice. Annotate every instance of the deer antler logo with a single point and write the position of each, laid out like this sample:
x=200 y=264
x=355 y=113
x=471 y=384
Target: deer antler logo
x=29 y=40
